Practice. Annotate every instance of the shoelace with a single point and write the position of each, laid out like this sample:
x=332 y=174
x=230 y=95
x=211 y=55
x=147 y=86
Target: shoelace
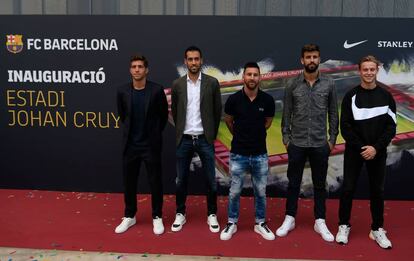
x=228 y=226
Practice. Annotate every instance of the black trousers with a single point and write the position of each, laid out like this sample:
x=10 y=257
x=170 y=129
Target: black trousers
x=318 y=160
x=376 y=167
x=131 y=167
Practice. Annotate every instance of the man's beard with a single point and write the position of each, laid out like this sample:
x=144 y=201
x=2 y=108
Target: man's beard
x=311 y=68
x=251 y=87
x=194 y=70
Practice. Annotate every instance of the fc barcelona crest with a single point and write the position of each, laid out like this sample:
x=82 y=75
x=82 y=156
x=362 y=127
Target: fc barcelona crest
x=14 y=43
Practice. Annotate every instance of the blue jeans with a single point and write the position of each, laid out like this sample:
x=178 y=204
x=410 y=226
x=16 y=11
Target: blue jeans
x=318 y=160
x=185 y=152
x=258 y=167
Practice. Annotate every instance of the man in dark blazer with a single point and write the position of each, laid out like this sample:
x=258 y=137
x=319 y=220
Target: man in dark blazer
x=196 y=109
x=143 y=109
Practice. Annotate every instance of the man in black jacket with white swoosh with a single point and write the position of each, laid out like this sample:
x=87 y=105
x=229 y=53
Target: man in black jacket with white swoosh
x=368 y=124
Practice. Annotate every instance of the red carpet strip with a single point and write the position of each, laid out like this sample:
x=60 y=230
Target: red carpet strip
x=86 y=222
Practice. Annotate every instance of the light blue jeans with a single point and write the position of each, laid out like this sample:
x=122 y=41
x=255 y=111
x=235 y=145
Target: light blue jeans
x=258 y=167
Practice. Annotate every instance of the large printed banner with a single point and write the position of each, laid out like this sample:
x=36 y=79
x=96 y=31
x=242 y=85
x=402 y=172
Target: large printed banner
x=59 y=128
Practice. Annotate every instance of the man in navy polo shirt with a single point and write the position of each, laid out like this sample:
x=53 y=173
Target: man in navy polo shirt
x=248 y=114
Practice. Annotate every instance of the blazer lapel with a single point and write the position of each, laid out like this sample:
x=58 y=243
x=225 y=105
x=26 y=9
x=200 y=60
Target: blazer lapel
x=184 y=93
x=128 y=98
x=202 y=88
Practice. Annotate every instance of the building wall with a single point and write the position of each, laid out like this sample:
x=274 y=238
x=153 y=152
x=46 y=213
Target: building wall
x=333 y=8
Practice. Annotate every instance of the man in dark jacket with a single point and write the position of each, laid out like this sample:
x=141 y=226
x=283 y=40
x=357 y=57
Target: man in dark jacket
x=196 y=109
x=143 y=109
x=368 y=124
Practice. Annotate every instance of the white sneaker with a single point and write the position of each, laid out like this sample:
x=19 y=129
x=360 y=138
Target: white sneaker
x=321 y=228
x=228 y=231
x=213 y=223
x=381 y=238
x=264 y=231
x=125 y=224
x=157 y=226
x=178 y=222
x=343 y=234
x=288 y=225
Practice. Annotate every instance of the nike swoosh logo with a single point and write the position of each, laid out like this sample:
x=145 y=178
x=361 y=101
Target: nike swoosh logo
x=350 y=45
x=369 y=113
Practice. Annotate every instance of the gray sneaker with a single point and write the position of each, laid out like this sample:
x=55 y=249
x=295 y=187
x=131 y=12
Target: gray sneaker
x=380 y=236
x=343 y=234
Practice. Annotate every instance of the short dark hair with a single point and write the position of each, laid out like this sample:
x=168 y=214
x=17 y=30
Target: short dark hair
x=139 y=57
x=192 y=48
x=251 y=65
x=310 y=48
x=369 y=58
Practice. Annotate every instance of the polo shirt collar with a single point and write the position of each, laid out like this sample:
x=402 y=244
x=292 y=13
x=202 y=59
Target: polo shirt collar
x=245 y=96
